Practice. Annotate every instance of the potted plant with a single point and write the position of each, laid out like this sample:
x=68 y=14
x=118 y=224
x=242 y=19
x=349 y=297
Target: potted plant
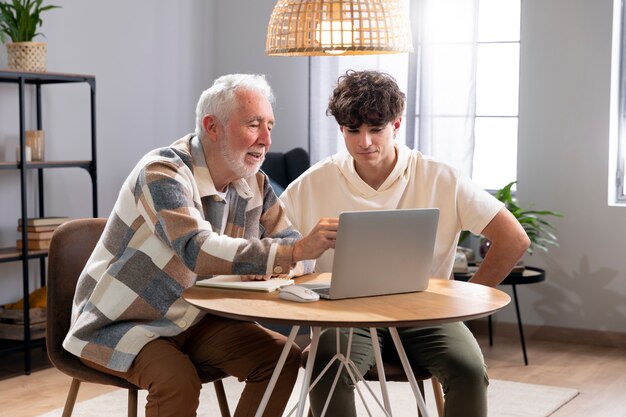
x=19 y=21
x=540 y=232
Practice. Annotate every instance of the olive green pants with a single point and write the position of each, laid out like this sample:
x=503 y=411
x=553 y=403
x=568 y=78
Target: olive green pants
x=166 y=367
x=449 y=352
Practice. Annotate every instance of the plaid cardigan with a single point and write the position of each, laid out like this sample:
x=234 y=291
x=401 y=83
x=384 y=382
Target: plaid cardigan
x=163 y=234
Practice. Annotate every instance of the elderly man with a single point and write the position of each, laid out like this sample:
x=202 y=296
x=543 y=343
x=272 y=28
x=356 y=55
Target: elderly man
x=196 y=208
x=378 y=173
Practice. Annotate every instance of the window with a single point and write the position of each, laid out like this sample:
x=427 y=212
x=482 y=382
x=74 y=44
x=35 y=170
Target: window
x=482 y=58
x=462 y=86
x=620 y=176
x=617 y=161
x=497 y=93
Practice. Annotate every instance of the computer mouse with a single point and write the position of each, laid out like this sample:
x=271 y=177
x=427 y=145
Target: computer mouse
x=298 y=294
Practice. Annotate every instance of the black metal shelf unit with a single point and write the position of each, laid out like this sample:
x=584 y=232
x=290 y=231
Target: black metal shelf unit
x=13 y=254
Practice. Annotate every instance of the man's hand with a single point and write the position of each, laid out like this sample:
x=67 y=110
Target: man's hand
x=321 y=238
x=255 y=277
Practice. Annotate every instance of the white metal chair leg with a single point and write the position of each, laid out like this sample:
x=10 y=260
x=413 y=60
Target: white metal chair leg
x=438 y=396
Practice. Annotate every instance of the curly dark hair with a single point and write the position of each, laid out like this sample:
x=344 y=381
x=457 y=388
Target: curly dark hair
x=370 y=97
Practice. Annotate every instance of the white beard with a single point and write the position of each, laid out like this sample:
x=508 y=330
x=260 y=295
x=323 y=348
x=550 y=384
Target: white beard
x=236 y=162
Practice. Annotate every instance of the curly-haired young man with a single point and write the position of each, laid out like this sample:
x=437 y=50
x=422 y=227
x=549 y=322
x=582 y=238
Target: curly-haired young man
x=379 y=173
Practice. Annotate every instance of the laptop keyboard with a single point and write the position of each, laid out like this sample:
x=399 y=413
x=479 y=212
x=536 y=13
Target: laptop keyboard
x=322 y=291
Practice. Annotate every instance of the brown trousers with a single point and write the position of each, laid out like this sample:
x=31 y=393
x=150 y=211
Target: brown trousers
x=166 y=367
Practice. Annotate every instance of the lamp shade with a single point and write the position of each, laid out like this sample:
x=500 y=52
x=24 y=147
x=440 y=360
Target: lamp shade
x=334 y=27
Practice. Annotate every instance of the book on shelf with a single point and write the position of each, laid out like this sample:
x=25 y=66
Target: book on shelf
x=43 y=221
x=37 y=235
x=35 y=244
x=49 y=228
x=234 y=282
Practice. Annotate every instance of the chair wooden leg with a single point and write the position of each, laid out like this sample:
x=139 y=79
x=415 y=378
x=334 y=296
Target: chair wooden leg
x=438 y=391
x=71 y=398
x=221 y=398
x=132 y=402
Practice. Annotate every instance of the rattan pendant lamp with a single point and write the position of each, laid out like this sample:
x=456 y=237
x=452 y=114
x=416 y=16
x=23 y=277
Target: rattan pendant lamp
x=338 y=27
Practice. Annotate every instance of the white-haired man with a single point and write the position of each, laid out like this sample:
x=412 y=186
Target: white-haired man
x=196 y=208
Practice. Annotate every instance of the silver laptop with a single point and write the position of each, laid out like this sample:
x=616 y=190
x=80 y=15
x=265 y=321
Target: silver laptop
x=381 y=252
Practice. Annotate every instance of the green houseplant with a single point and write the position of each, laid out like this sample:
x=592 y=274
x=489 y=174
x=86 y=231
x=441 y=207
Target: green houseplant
x=539 y=230
x=19 y=22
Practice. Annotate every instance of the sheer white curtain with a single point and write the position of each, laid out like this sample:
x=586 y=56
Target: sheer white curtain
x=439 y=78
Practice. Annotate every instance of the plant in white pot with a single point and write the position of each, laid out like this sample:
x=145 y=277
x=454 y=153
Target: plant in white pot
x=19 y=21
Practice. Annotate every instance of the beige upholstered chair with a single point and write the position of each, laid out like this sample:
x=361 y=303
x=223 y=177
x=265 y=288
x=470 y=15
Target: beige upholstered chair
x=71 y=246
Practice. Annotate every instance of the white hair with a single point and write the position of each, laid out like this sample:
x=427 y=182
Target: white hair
x=219 y=99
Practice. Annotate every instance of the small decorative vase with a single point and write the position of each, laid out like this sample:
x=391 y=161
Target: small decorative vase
x=35 y=140
x=27 y=56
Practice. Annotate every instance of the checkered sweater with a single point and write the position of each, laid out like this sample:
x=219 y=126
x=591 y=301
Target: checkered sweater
x=163 y=234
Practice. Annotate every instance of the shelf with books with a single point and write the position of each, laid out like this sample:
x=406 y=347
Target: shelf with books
x=9 y=346
x=34 y=244
x=12 y=320
x=12 y=253
x=38 y=231
x=47 y=164
x=42 y=224
x=34 y=235
x=31 y=243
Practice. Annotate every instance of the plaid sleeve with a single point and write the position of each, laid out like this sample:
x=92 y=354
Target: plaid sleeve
x=167 y=198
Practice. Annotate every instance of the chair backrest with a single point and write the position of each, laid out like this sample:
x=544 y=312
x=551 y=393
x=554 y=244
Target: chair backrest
x=286 y=167
x=71 y=246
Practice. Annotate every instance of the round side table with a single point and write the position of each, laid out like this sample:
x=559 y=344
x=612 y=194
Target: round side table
x=530 y=275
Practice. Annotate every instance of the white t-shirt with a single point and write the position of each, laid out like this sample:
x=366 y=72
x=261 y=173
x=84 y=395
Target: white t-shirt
x=333 y=185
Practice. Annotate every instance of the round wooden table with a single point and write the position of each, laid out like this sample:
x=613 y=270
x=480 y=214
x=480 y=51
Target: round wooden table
x=444 y=301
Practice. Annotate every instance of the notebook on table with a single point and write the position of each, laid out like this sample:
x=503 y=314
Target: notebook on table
x=234 y=282
x=381 y=252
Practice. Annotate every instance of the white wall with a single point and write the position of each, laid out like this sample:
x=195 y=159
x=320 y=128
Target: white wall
x=152 y=63
x=151 y=59
x=240 y=34
x=563 y=160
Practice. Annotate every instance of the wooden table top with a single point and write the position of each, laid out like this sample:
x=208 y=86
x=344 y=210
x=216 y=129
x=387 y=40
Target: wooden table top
x=444 y=301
